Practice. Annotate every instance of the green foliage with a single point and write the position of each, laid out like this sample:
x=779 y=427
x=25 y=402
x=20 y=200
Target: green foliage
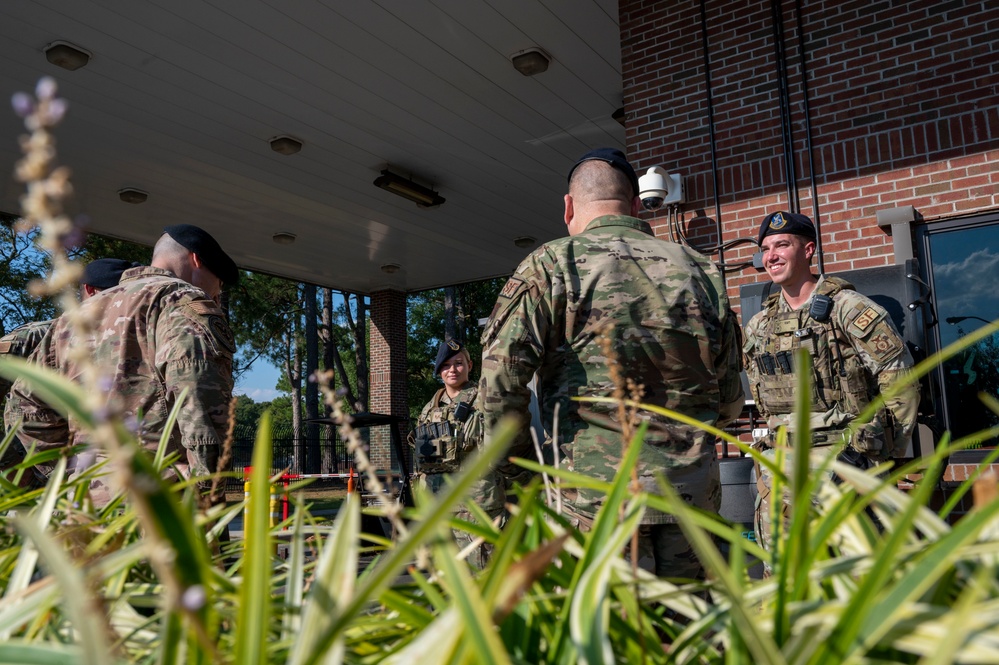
x=425 y=327
x=148 y=579
x=21 y=261
x=263 y=309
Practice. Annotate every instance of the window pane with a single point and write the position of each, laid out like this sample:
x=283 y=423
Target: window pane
x=965 y=266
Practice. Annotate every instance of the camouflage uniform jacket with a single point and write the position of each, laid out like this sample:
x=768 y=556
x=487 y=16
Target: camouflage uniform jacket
x=855 y=354
x=20 y=342
x=155 y=336
x=663 y=310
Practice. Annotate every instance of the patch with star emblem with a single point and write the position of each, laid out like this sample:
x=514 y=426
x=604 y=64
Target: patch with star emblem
x=882 y=345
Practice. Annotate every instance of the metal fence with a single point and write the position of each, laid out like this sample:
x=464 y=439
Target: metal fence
x=316 y=449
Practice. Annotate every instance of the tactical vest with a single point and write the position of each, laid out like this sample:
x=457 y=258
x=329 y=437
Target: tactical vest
x=838 y=376
x=441 y=440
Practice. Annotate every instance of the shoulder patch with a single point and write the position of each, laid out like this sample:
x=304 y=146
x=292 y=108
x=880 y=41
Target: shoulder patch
x=223 y=333
x=866 y=319
x=511 y=287
x=882 y=345
x=5 y=346
x=204 y=307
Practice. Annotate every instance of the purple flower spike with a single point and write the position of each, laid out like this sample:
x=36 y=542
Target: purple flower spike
x=23 y=104
x=57 y=109
x=193 y=598
x=46 y=88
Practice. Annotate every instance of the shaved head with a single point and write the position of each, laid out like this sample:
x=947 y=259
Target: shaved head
x=595 y=180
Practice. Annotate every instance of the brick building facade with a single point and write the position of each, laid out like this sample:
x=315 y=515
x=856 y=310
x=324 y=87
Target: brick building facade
x=898 y=102
x=839 y=110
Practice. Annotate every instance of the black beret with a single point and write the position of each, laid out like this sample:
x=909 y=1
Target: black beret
x=200 y=242
x=105 y=273
x=786 y=222
x=612 y=156
x=448 y=348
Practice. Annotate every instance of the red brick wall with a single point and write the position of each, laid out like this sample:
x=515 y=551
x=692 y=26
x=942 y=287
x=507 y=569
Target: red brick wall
x=903 y=107
x=387 y=349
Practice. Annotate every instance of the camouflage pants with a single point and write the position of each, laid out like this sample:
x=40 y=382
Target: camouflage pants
x=662 y=548
x=106 y=486
x=479 y=557
x=764 y=513
x=668 y=551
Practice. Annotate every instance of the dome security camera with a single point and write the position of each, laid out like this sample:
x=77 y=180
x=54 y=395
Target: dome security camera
x=652 y=188
x=657 y=188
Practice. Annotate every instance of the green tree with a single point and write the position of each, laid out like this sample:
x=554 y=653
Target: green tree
x=343 y=330
x=427 y=322
x=248 y=412
x=21 y=261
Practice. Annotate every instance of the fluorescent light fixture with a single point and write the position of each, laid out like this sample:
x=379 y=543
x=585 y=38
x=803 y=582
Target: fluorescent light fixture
x=422 y=196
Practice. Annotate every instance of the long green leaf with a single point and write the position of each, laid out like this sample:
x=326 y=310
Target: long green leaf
x=254 y=597
x=429 y=516
x=21 y=653
x=77 y=598
x=476 y=625
x=589 y=613
x=291 y=624
x=332 y=587
x=28 y=557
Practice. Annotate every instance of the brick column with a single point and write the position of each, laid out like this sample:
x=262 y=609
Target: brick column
x=387 y=348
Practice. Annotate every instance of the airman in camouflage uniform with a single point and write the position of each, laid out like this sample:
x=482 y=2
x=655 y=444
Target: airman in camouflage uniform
x=158 y=332
x=448 y=429
x=856 y=352
x=21 y=342
x=664 y=311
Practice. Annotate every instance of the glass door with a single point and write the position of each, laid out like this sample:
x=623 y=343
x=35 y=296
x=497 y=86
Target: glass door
x=962 y=259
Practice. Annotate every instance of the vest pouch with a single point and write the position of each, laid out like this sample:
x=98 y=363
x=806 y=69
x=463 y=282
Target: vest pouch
x=777 y=391
x=855 y=393
x=448 y=449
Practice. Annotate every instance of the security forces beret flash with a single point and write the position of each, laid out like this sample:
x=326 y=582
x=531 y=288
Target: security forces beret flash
x=105 y=273
x=612 y=156
x=200 y=242
x=448 y=348
x=786 y=222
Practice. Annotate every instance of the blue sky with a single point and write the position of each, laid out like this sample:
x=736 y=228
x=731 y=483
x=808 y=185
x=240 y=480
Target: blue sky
x=258 y=383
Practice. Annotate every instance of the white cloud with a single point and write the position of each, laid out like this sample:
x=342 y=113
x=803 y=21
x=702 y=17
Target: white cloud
x=970 y=284
x=258 y=394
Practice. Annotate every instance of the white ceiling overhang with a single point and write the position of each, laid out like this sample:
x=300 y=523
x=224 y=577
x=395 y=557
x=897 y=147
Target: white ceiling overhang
x=181 y=98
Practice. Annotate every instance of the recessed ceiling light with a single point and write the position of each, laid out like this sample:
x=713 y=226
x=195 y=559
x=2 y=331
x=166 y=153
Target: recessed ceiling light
x=284 y=238
x=286 y=145
x=391 y=268
x=66 y=55
x=524 y=241
x=133 y=196
x=531 y=61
